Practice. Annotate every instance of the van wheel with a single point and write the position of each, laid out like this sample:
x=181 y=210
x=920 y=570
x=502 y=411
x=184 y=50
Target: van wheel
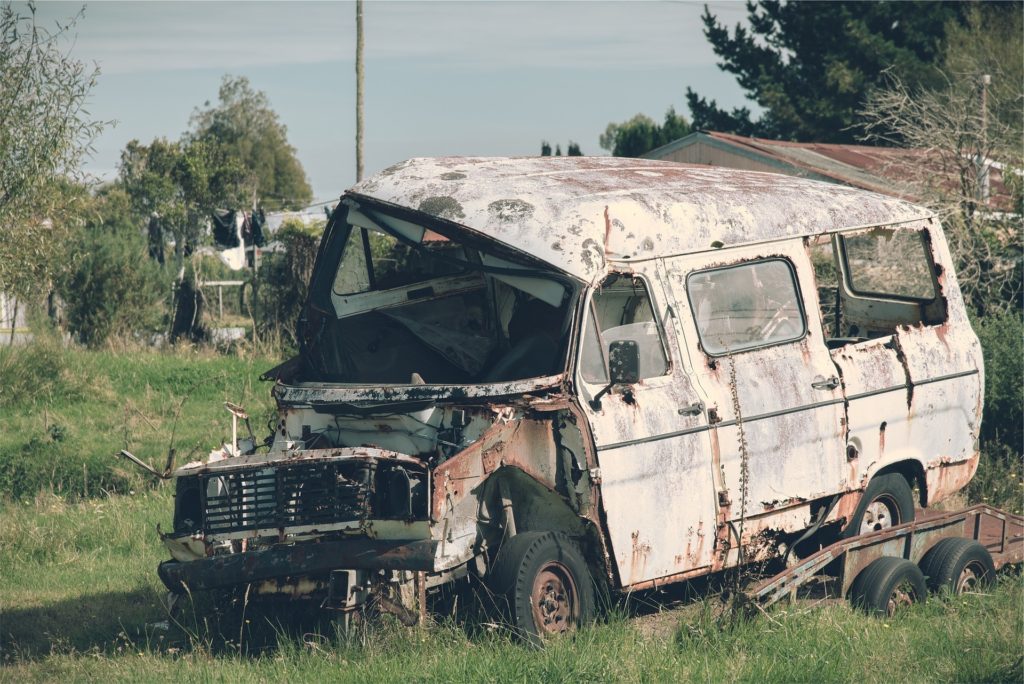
x=959 y=565
x=887 y=501
x=888 y=585
x=546 y=582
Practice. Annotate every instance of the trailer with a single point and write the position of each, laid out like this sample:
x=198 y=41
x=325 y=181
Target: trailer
x=882 y=571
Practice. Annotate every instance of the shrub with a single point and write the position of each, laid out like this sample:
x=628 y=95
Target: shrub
x=1002 y=341
x=111 y=287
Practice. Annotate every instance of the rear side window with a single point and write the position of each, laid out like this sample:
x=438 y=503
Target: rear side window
x=889 y=263
x=749 y=305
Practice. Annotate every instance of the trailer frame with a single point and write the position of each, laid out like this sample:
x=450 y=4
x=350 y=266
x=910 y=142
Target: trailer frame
x=1001 y=533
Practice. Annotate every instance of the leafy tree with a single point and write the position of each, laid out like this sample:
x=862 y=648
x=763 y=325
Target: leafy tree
x=180 y=184
x=642 y=134
x=243 y=128
x=44 y=132
x=107 y=284
x=810 y=65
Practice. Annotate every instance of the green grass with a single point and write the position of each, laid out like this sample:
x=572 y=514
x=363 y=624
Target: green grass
x=80 y=599
x=67 y=412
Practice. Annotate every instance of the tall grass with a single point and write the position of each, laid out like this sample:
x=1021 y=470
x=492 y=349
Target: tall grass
x=81 y=601
x=66 y=413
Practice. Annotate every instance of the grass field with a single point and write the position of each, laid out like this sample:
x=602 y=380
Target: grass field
x=80 y=600
x=66 y=412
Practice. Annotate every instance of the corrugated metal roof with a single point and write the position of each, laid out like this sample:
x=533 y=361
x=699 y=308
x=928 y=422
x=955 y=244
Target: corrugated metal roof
x=899 y=172
x=580 y=213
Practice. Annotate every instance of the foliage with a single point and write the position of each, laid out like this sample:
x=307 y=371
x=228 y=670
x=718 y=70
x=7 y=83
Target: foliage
x=1002 y=342
x=809 y=65
x=960 y=141
x=641 y=134
x=284 y=281
x=573 y=149
x=45 y=129
x=181 y=184
x=109 y=286
x=83 y=602
x=243 y=128
x=66 y=412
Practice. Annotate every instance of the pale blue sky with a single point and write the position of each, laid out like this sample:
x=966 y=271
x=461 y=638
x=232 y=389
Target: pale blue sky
x=442 y=78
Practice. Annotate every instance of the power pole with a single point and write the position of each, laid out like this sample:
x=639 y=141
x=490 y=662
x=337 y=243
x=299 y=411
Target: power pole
x=359 y=90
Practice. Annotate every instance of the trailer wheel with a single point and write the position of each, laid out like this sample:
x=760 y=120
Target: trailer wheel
x=888 y=585
x=547 y=583
x=887 y=501
x=959 y=565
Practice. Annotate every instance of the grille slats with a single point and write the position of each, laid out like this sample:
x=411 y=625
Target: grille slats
x=282 y=496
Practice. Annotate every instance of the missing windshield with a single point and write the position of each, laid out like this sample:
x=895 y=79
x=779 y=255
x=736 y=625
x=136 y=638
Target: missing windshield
x=407 y=305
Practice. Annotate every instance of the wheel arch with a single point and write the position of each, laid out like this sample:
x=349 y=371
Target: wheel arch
x=535 y=507
x=912 y=471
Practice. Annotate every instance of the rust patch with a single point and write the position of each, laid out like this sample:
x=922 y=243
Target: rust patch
x=901 y=356
x=638 y=561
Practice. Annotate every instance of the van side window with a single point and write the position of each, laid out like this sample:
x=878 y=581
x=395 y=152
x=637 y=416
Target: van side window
x=870 y=283
x=622 y=310
x=754 y=304
x=890 y=264
x=392 y=263
x=353 y=276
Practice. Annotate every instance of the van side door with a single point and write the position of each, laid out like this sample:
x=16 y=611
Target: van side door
x=656 y=487
x=749 y=320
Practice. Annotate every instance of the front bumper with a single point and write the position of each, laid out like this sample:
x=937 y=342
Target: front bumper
x=307 y=558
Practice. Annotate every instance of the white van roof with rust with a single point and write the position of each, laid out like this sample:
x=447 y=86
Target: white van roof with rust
x=580 y=213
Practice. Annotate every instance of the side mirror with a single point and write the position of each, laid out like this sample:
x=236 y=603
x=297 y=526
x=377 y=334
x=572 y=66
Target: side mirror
x=624 y=362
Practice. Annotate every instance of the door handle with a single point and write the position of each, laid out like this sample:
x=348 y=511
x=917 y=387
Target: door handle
x=692 y=410
x=827 y=384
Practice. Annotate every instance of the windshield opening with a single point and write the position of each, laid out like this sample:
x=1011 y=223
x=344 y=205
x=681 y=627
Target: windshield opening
x=397 y=303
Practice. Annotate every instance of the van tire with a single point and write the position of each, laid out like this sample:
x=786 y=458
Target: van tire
x=958 y=565
x=546 y=582
x=886 y=502
x=888 y=585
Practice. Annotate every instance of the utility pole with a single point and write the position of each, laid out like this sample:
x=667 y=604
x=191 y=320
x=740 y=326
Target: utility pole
x=982 y=168
x=359 y=90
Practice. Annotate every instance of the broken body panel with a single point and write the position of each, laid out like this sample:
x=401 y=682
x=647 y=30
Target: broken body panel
x=456 y=385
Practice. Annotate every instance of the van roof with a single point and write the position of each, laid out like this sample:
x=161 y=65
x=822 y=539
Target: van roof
x=581 y=213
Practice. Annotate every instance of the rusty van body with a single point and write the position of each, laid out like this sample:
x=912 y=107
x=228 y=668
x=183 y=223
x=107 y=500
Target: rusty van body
x=567 y=374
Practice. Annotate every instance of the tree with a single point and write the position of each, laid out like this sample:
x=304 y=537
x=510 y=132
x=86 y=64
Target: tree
x=244 y=130
x=641 y=134
x=181 y=184
x=107 y=285
x=963 y=127
x=572 y=150
x=45 y=130
x=810 y=65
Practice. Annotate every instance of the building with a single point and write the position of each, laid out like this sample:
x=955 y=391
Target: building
x=892 y=171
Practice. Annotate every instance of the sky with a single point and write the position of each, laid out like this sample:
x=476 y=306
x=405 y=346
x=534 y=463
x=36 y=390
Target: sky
x=441 y=78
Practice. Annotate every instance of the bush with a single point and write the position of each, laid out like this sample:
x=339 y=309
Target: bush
x=1002 y=341
x=284 y=282
x=112 y=287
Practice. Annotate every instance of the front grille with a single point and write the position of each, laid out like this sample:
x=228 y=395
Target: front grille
x=312 y=493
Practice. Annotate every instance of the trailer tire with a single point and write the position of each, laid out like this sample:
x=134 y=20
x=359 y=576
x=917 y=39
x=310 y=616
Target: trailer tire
x=887 y=501
x=887 y=585
x=958 y=565
x=546 y=582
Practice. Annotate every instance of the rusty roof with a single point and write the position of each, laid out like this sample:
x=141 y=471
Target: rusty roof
x=581 y=213
x=900 y=172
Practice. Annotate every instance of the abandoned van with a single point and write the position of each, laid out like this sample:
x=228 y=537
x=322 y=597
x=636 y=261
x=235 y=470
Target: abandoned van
x=565 y=376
